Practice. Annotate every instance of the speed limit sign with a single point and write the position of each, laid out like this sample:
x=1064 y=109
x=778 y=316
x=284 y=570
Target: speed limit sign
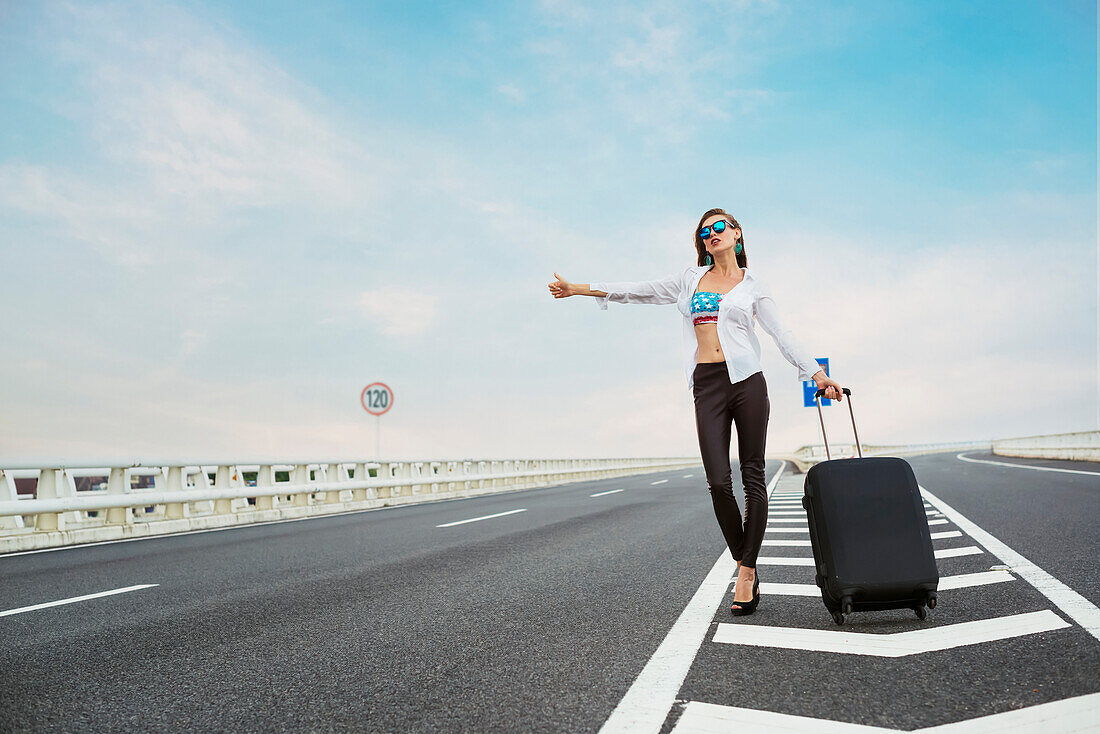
x=376 y=398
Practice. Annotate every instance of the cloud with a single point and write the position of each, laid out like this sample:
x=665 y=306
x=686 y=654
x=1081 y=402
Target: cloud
x=512 y=92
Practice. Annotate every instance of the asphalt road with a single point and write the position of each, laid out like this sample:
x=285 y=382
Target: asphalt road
x=539 y=620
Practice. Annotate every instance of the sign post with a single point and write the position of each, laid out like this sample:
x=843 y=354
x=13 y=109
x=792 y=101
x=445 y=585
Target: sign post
x=809 y=387
x=376 y=399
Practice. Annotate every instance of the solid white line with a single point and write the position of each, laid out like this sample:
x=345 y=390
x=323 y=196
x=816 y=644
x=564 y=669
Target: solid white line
x=74 y=599
x=601 y=494
x=1077 y=714
x=646 y=704
x=1080 y=609
x=895 y=644
x=659 y=481
x=1025 y=466
x=483 y=517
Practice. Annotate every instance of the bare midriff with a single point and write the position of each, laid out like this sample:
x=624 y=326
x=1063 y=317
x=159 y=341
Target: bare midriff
x=710 y=349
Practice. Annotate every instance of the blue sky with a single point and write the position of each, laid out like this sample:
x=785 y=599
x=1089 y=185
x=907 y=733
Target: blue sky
x=218 y=221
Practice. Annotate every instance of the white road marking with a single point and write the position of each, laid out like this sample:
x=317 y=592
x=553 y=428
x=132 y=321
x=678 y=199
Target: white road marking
x=895 y=644
x=687 y=476
x=74 y=599
x=601 y=494
x=947 y=534
x=937 y=522
x=784 y=542
x=773 y=513
x=964 y=580
x=1077 y=714
x=1080 y=609
x=647 y=702
x=659 y=481
x=787 y=530
x=793 y=520
x=1025 y=466
x=783 y=561
x=959 y=581
x=483 y=517
x=969 y=550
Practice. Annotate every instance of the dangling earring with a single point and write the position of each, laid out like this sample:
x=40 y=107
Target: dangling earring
x=709 y=260
x=738 y=249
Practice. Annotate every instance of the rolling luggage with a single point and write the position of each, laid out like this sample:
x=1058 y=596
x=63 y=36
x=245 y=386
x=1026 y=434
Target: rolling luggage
x=869 y=532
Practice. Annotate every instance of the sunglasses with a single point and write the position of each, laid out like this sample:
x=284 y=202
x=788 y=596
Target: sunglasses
x=718 y=228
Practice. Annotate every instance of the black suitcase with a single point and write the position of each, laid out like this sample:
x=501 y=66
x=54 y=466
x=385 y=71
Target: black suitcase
x=869 y=532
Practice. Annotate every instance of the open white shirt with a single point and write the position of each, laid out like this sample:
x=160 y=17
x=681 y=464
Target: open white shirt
x=736 y=331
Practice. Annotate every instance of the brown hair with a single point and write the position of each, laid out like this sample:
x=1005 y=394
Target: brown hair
x=701 y=248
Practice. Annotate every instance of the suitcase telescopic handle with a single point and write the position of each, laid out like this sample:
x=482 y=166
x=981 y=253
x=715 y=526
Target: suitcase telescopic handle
x=817 y=399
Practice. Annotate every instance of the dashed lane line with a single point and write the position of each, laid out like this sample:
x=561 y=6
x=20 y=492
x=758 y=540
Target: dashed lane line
x=1026 y=466
x=74 y=599
x=601 y=494
x=483 y=517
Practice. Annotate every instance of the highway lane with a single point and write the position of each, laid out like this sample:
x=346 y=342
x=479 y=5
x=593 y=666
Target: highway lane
x=379 y=620
x=1052 y=518
x=538 y=620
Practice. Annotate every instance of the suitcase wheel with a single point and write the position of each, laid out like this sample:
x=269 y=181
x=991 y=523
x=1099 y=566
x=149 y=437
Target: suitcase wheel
x=838 y=617
x=931 y=601
x=846 y=605
x=921 y=612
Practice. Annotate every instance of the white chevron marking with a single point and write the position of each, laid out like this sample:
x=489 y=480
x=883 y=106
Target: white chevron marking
x=959 y=581
x=893 y=645
x=1077 y=714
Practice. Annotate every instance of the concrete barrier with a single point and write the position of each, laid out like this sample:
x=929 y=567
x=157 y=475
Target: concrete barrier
x=1079 y=446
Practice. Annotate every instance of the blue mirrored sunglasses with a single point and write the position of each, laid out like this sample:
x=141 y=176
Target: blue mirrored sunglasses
x=718 y=227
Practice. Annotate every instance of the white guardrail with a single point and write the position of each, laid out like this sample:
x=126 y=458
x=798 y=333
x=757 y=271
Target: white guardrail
x=50 y=510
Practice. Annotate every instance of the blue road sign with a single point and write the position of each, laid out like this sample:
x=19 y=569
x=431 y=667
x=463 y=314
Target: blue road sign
x=809 y=387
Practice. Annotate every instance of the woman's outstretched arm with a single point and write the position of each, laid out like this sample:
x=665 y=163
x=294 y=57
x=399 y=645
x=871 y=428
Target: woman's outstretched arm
x=663 y=290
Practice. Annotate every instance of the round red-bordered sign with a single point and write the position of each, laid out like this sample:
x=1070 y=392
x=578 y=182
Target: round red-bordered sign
x=379 y=399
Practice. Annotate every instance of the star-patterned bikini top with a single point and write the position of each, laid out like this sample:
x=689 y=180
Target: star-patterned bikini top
x=704 y=307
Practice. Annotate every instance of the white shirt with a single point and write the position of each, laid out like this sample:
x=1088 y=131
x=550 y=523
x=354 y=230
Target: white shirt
x=736 y=330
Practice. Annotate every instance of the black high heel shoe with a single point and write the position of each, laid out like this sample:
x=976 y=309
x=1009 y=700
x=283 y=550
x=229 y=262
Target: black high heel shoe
x=741 y=608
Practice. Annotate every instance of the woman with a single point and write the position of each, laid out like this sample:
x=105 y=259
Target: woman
x=719 y=299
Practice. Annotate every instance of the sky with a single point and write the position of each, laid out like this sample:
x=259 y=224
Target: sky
x=219 y=221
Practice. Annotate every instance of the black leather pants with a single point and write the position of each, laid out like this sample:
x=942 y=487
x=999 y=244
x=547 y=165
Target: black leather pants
x=718 y=403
